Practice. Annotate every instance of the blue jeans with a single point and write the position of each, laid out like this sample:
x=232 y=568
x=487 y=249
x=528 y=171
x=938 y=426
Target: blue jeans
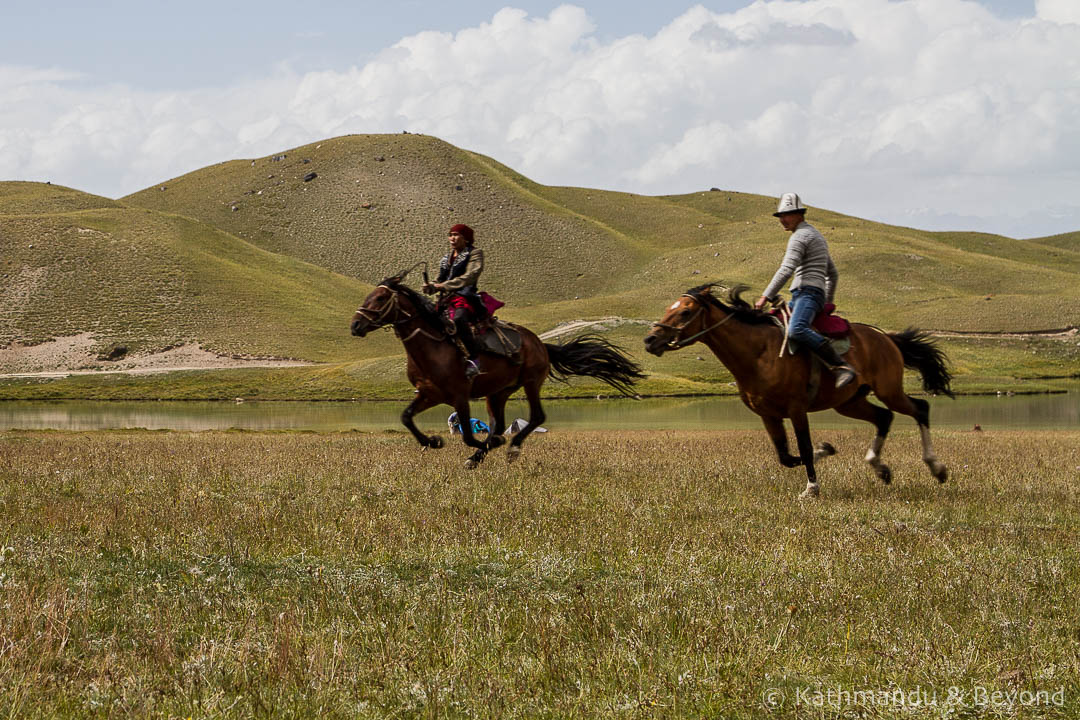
x=805 y=305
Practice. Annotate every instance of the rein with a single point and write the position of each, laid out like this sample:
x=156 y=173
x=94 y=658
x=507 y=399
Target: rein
x=676 y=344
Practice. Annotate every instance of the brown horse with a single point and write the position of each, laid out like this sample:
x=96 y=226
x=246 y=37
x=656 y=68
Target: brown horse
x=437 y=370
x=748 y=343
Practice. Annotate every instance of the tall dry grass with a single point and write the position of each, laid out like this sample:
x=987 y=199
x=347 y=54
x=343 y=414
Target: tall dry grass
x=632 y=574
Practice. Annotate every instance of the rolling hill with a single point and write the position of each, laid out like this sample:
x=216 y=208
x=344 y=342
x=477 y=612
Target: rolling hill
x=76 y=263
x=382 y=202
x=270 y=256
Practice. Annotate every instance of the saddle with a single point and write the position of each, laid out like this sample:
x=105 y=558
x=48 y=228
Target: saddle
x=495 y=336
x=831 y=326
x=836 y=329
x=490 y=334
x=837 y=332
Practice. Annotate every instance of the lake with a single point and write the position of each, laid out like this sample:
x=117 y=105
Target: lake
x=1017 y=412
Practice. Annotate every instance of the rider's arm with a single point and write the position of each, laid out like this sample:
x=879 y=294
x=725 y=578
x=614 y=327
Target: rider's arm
x=796 y=247
x=471 y=274
x=831 y=278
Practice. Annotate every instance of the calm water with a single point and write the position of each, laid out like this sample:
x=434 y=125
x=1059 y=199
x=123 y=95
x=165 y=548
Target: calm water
x=991 y=413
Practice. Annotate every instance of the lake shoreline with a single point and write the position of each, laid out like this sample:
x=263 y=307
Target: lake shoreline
x=555 y=398
x=965 y=412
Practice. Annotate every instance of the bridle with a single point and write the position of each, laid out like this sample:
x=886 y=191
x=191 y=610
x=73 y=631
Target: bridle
x=379 y=318
x=677 y=343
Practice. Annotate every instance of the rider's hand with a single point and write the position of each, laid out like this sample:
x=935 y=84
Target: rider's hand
x=761 y=302
x=429 y=288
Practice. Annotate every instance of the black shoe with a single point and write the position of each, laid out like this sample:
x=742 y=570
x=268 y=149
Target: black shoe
x=843 y=372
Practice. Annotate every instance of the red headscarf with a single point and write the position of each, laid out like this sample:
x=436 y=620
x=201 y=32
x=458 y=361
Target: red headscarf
x=465 y=231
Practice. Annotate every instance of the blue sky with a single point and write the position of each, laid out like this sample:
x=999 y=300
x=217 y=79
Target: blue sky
x=933 y=113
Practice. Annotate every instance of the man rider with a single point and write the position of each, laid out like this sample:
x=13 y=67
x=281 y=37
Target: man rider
x=456 y=284
x=807 y=258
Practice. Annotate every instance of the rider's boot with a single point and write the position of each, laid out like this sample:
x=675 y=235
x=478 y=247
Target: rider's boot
x=464 y=333
x=842 y=370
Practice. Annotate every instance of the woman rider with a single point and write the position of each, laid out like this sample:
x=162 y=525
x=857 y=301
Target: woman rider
x=456 y=284
x=807 y=257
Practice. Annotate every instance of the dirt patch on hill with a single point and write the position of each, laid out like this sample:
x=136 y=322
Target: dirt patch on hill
x=77 y=355
x=1065 y=334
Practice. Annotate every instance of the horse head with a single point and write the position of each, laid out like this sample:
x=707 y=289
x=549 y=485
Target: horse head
x=390 y=303
x=680 y=325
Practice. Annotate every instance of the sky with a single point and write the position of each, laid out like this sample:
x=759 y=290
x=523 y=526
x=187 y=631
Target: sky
x=936 y=114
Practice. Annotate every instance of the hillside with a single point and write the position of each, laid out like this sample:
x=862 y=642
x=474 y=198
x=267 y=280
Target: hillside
x=32 y=198
x=270 y=256
x=1065 y=241
x=149 y=281
x=381 y=202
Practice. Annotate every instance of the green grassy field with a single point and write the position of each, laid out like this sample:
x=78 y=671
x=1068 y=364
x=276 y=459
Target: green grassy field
x=651 y=574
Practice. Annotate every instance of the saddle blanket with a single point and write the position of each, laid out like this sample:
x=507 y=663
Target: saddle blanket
x=829 y=325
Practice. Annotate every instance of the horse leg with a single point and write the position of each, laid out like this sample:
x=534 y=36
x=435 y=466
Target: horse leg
x=801 y=424
x=922 y=417
x=775 y=427
x=419 y=404
x=497 y=410
x=920 y=410
x=461 y=407
x=536 y=416
x=862 y=409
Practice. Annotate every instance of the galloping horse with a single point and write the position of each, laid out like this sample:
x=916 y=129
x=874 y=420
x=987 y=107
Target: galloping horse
x=748 y=343
x=437 y=371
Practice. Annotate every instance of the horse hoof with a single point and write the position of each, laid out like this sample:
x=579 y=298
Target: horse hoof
x=812 y=492
x=471 y=464
x=495 y=441
x=942 y=475
x=826 y=449
x=885 y=474
x=435 y=442
x=513 y=453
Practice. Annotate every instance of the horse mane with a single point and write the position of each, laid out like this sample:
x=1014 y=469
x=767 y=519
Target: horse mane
x=424 y=307
x=742 y=310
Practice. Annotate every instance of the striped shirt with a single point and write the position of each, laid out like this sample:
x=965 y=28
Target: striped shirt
x=807 y=258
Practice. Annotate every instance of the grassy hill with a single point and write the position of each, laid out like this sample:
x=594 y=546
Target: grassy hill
x=150 y=280
x=381 y=202
x=1065 y=241
x=270 y=256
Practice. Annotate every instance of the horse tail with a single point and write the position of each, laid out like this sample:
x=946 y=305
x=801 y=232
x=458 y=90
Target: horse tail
x=593 y=356
x=922 y=354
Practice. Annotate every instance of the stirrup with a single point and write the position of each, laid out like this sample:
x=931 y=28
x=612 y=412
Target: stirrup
x=471 y=369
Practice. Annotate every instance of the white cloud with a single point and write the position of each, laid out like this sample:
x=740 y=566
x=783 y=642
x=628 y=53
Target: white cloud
x=920 y=111
x=1058 y=11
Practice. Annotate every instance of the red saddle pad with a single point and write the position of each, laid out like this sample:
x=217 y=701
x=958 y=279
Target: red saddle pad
x=491 y=302
x=831 y=325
